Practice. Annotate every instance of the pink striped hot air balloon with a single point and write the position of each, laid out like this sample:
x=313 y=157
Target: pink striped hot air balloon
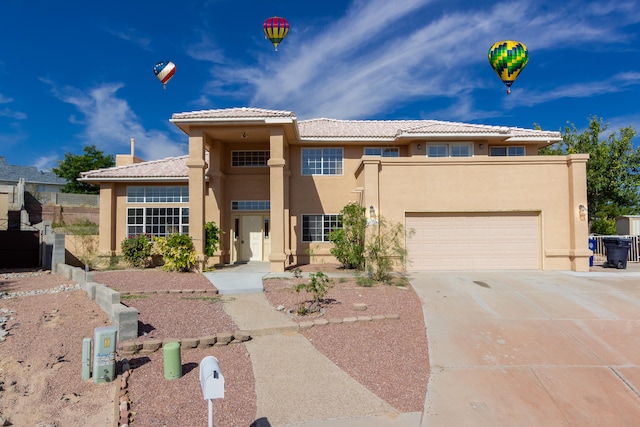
x=164 y=71
x=276 y=29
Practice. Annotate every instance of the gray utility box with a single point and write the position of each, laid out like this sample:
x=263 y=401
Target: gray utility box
x=104 y=354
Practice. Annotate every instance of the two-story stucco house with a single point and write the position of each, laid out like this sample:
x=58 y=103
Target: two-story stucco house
x=477 y=197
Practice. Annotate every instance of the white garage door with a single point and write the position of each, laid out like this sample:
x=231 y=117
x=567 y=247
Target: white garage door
x=484 y=241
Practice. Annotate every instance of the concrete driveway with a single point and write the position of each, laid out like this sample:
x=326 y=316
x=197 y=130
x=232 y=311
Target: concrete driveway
x=532 y=348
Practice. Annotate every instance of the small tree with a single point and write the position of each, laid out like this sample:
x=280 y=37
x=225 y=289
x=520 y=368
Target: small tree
x=613 y=171
x=318 y=285
x=348 y=241
x=385 y=250
x=73 y=164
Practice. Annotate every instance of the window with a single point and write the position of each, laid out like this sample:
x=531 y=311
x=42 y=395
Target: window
x=249 y=158
x=316 y=228
x=382 y=151
x=460 y=150
x=161 y=222
x=437 y=151
x=322 y=161
x=158 y=194
x=507 y=151
x=449 y=150
x=250 y=205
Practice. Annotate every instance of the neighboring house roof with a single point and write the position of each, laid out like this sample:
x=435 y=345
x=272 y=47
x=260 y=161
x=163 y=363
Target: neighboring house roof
x=31 y=174
x=169 y=169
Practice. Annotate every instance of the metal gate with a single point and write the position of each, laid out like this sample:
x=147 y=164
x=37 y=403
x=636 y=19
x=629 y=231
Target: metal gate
x=20 y=249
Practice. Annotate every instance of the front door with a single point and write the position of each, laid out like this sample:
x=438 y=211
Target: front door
x=251 y=238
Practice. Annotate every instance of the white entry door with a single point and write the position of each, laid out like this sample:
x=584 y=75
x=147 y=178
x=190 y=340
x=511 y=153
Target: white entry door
x=251 y=227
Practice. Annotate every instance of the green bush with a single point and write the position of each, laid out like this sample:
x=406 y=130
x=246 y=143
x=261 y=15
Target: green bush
x=318 y=285
x=178 y=252
x=211 y=238
x=136 y=250
x=348 y=241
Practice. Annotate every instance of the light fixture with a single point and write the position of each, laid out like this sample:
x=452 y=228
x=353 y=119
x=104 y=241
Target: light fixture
x=243 y=134
x=582 y=210
x=419 y=146
x=372 y=211
x=481 y=145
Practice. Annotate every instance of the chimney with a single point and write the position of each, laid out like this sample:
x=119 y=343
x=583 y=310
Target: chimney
x=133 y=147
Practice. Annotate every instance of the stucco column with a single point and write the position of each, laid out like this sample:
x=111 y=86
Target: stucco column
x=216 y=198
x=276 y=163
x=579 y=225
x=371 y=195
x=196 y=165
x=107 y=244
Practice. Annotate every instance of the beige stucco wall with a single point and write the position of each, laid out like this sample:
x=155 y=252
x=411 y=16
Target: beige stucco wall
x=554 y=186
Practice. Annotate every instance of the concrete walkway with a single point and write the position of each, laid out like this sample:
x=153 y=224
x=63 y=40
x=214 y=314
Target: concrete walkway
x=532 y=348
x=295 y=383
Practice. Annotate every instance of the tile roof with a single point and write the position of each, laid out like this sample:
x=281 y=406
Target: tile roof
x=31 y=174
x=315 y=129
x=169 y=168
x=391 y=129
x=233 y=113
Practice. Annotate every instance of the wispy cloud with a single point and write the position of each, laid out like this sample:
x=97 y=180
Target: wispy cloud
x=616 y=83
x=109 y=123
x=131 y=35
x=18 y=115
x=382 y=55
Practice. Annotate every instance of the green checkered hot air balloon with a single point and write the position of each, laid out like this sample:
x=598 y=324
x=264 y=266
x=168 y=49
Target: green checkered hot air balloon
x=508 y=58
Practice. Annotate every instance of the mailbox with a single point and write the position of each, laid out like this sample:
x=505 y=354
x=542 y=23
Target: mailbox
x=211 y=379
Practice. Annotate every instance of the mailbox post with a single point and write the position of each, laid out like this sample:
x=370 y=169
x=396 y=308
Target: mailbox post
x=212 y=382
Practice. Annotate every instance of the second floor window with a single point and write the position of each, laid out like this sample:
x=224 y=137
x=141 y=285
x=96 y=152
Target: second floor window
x=507 y=151
x=382 y=151
x=449 y=150
x=249 y=158
x=322 y=161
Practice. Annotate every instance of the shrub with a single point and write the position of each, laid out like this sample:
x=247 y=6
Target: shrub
x=318 y=285
x=348 y=241
x=136 y=250
x=385 y=250
x=177 y=252
x=211 y=238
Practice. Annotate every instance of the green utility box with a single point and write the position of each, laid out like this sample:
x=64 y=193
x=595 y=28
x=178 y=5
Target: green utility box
x=172 y=361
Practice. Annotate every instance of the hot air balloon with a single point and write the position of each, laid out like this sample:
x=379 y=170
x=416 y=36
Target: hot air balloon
x=276 y=29
x=164 y=71
x=508 y=58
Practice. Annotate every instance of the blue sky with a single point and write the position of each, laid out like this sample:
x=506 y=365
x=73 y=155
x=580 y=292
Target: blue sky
x=76 y=73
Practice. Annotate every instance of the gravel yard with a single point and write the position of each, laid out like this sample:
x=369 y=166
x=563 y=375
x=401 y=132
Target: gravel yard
x=380 y=355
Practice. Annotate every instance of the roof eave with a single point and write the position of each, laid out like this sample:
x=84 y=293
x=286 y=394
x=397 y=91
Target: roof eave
x=136 y=179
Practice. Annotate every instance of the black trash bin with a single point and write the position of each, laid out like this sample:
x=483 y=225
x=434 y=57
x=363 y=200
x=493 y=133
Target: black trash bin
x=617 y=250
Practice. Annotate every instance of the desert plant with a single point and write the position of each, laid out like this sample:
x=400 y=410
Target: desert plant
x=85 y=241
x=136 y=250
x=178 y=252
x=348 y=241
x=211 y=238
x=318 y=286
x=385 y=250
